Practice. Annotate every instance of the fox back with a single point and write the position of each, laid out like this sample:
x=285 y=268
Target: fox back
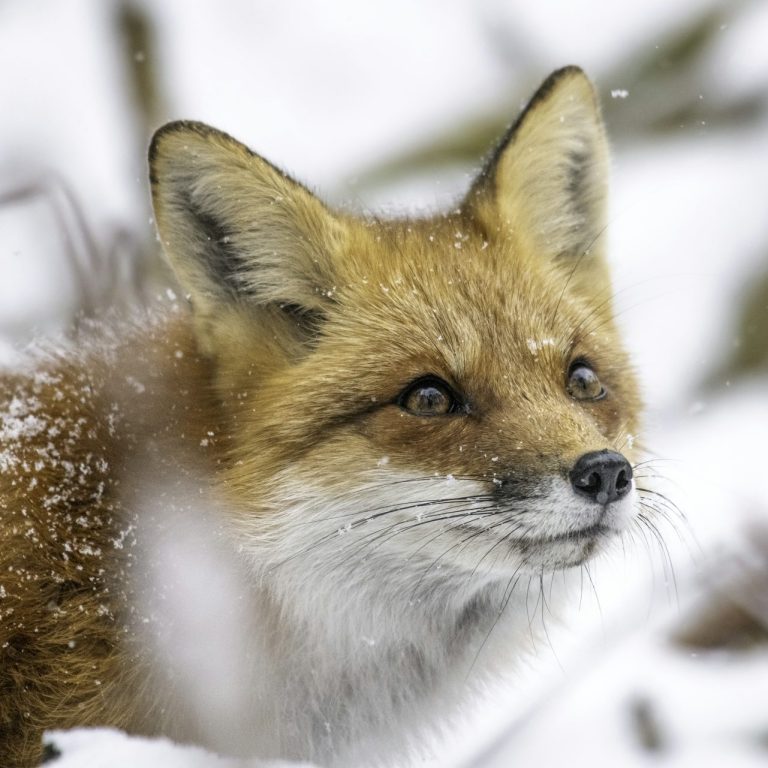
x=390 y=440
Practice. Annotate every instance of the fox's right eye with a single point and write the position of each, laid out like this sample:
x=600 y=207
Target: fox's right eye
x=428 y=396
x=583 y=383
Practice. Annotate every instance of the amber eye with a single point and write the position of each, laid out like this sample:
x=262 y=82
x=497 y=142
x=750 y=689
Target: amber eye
x=583 y=383
x=429 y=396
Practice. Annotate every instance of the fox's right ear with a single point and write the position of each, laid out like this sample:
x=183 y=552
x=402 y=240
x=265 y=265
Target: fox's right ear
x=546 y=183
x=237 y=231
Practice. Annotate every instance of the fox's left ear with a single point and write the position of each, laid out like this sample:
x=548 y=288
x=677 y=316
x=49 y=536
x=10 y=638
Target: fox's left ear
x=241 y=235
x=546 y=183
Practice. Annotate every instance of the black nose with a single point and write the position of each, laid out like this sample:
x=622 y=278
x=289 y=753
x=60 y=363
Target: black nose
x=602 y=476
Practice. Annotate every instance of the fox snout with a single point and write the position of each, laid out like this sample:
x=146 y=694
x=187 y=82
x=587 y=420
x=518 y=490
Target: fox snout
x=601 y=476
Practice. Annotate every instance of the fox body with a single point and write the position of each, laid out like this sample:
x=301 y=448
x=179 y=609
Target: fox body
x=301 y=513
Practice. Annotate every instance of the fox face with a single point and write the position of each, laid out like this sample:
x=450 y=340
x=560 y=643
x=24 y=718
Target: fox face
x=446 y=394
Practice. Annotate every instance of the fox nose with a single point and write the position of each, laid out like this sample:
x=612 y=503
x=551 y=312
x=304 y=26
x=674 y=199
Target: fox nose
x=601 y=476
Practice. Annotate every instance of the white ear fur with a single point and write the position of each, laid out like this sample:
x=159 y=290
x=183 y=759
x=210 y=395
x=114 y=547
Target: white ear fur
x=547 y=181
x=234 y=227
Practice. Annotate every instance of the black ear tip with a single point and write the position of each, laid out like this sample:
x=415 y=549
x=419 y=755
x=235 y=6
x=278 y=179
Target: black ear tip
x=50 y=753
x=558 y=76
x=192 y=130
x=566 y=71
x=178 y=126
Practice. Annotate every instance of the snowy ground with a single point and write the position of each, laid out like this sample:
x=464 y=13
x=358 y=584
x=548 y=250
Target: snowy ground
x=329 y=90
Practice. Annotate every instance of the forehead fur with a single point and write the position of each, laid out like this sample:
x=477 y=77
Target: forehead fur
x=447 y=289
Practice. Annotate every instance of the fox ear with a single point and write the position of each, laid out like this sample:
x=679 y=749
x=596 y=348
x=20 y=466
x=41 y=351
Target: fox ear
x=546 y=183
x=237 y=231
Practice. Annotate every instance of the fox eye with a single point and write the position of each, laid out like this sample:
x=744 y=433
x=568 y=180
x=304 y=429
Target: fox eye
x=583 y=383
x=429 y=396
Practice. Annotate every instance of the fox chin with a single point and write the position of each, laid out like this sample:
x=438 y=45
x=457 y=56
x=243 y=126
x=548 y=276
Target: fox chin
x=306 y=510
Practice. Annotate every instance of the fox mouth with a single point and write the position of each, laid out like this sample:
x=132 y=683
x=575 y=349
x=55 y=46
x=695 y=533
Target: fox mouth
x=578 y=536
x=565 y=550
x=558 y=550
x=575 y=537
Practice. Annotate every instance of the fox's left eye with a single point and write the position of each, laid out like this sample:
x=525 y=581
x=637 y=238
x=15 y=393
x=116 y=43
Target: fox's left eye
x=583 y=383
x=429 y=396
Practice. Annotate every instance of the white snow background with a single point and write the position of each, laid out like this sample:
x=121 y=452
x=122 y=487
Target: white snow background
x=330 y=90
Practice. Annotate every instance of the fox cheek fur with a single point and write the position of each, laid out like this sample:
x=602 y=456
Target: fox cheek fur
x=402 y=432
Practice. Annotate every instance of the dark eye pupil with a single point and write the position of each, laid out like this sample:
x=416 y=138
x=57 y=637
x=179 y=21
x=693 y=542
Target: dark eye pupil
x=583 y=383
x=428 y=399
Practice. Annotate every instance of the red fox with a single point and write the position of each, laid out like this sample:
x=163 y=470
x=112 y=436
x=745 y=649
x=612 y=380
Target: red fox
x=398 y=437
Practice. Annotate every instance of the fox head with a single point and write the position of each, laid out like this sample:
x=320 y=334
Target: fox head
x=448 y=389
